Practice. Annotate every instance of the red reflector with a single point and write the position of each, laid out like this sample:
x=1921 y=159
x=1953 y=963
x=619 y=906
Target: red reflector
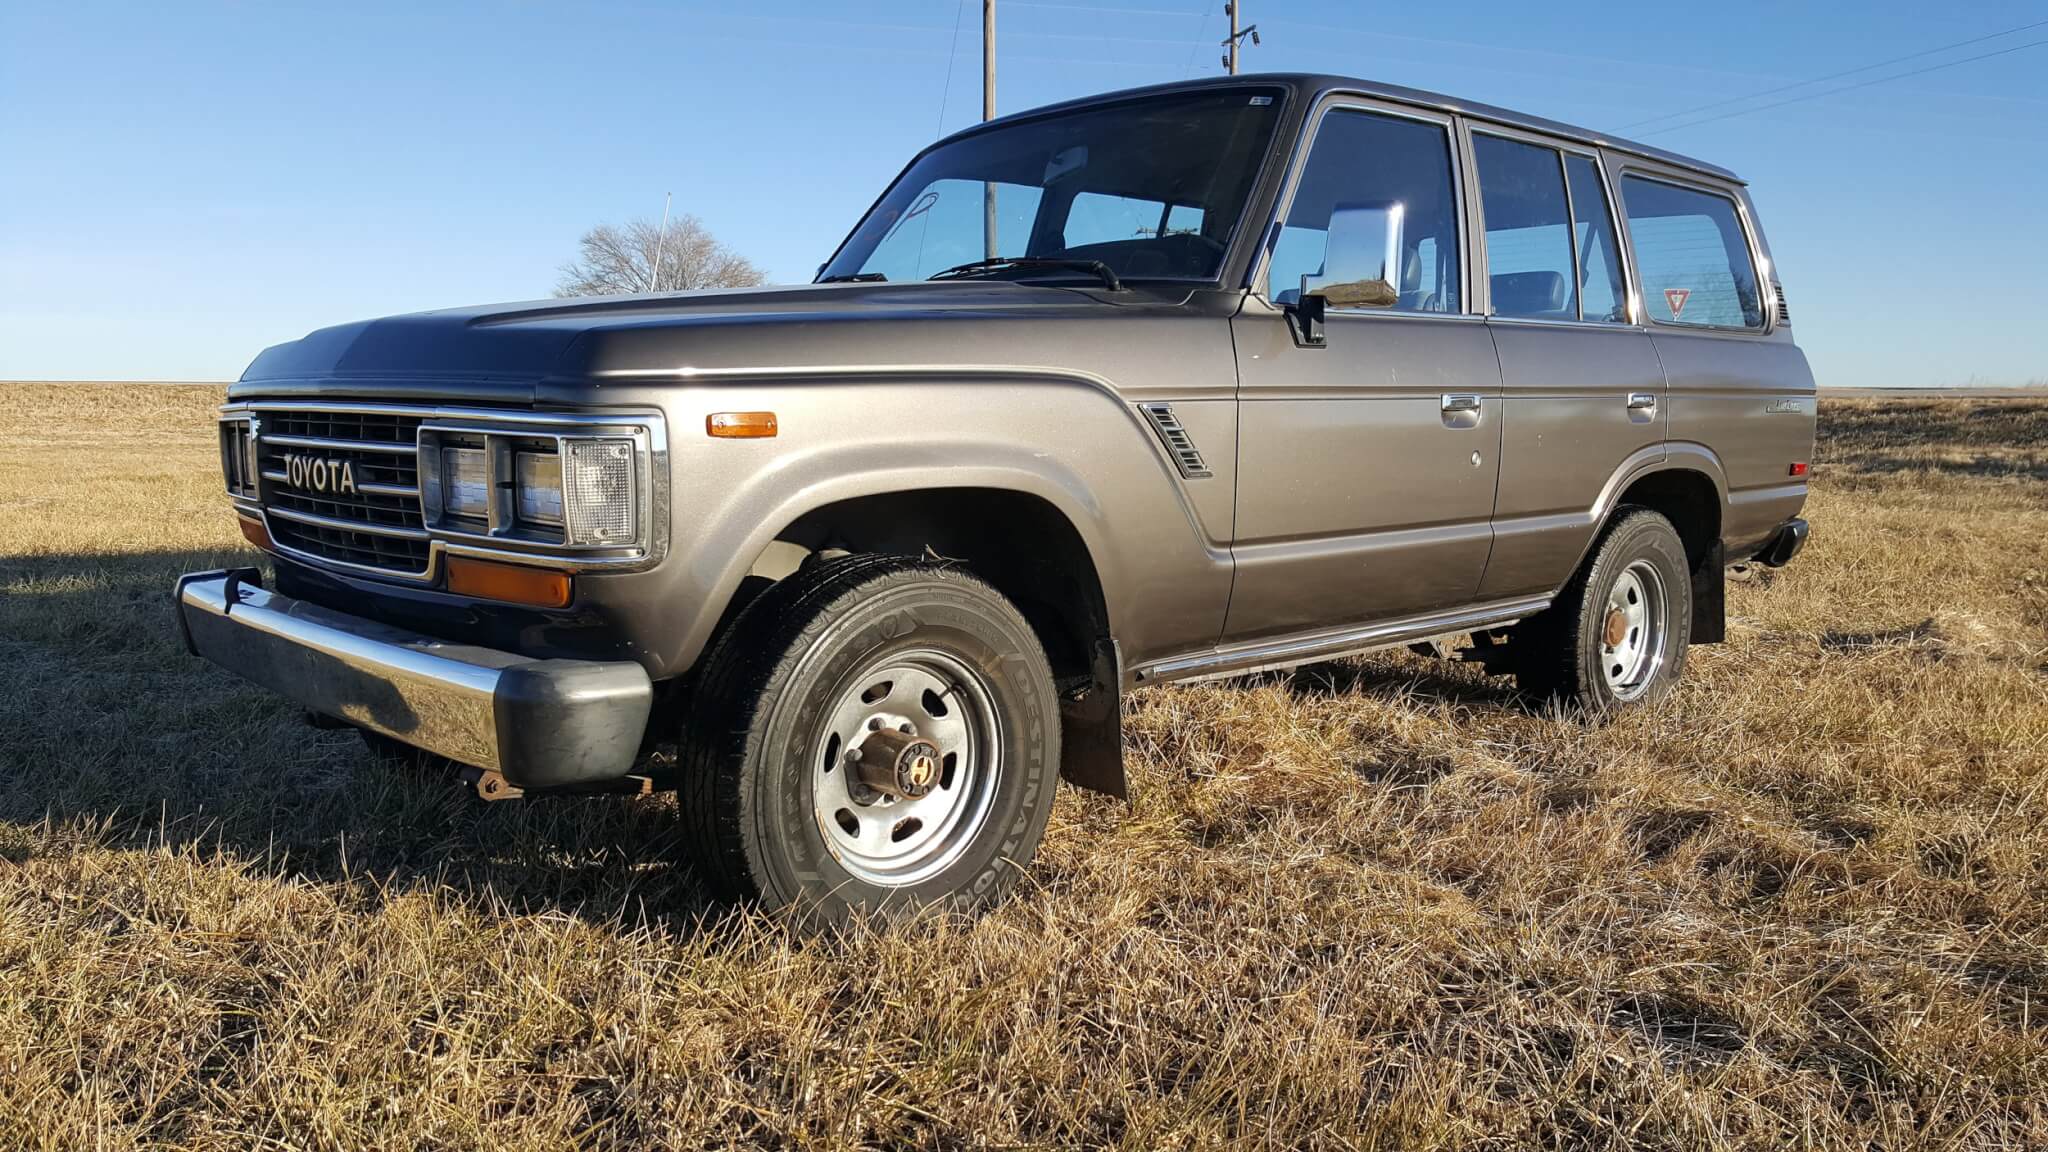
x=1799 y=469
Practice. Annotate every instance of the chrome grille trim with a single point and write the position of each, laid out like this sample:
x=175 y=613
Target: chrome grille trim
x=376 y=527
x=341 y=525
x=339 y=445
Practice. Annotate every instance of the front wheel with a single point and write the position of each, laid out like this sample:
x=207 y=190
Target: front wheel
x=872 y=734
x=1617 y=633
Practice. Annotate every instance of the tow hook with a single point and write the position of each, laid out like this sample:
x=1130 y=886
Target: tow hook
x=490 y=784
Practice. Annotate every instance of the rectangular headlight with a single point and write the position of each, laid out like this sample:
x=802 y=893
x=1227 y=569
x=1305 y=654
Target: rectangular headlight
x=465 y=483
x=538 y=493
x=597 y=488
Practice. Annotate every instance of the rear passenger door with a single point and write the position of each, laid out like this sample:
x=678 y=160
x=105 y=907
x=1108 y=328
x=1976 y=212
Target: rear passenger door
x=1582 y=388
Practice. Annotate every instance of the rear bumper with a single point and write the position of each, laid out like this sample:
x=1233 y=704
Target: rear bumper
x=542 y=723
x=1784 y=544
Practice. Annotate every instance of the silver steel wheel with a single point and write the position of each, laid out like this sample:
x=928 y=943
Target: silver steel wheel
x=887 y=835
x=1632 y=631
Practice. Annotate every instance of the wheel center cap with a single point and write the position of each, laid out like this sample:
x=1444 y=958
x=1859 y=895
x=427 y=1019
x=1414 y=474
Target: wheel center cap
x=1616 y=629
x=898 y=763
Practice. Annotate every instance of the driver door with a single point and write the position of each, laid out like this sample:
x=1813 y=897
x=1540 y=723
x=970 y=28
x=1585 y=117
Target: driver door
x=1366 y=465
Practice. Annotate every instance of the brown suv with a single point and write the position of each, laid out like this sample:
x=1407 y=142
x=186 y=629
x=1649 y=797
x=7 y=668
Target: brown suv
x=1166 y=384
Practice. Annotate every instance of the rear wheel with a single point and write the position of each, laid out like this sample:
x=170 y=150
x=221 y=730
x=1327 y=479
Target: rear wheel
x=1617 y=634
x=872 y=734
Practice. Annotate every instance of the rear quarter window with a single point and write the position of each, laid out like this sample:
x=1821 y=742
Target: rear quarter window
x=1692 y=256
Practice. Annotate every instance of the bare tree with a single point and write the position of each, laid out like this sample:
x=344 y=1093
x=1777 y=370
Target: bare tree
x=619 y=259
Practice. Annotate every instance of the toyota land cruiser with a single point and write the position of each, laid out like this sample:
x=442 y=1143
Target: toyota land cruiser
x=1172 y=383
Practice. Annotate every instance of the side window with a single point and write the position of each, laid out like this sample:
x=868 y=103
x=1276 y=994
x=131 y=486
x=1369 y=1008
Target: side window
x=1603 y=296
x=1528 y=229
x=943 y=228
x=1364 y=159
x=1096 y=218
x=1691 y=256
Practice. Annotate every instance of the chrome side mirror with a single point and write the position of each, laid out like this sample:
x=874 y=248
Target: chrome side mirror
x=1361 y=266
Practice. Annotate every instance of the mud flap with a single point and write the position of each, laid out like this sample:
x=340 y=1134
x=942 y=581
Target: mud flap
x=1710 y=597
x=1092 y=726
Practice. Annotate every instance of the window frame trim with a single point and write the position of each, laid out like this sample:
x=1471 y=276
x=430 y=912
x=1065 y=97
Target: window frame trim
x=1259 y=277
x=1759 y=266
x=1563 y=146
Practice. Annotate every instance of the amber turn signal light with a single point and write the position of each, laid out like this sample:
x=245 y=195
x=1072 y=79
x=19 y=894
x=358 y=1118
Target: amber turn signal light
x=511 y=583
x=740 y=425
x=254 y=532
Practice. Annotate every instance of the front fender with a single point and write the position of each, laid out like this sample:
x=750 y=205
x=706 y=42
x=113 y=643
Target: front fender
x=1075 y=445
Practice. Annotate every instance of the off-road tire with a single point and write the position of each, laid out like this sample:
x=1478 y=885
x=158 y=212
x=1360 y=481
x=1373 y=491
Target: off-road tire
x=746 y=776
x=1557 y=654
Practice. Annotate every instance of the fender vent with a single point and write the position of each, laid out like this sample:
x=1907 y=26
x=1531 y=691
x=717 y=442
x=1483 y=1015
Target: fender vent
x=1177 y=440
x=1784 y=313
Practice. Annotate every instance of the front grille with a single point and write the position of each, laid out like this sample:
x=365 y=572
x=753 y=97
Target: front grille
x=378 y=524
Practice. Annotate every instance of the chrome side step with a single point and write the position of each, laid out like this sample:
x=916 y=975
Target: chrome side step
x=1304 y=648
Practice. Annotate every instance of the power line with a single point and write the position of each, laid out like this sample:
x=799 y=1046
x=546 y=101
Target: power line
x=1848 y=87
x=1837 y=76
x=952 y=54
x=1200 y=24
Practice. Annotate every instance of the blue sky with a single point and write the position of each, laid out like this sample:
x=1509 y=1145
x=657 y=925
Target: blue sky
x=182 y=184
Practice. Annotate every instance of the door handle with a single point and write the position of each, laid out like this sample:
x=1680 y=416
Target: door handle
x=1641 y=401
x=1460 y=402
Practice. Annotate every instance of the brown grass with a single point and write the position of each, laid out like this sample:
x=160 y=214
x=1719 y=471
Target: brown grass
x=1377 y=903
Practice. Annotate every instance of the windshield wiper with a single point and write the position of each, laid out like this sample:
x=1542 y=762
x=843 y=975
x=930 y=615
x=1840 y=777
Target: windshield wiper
x=853 y=278
x=999 y=263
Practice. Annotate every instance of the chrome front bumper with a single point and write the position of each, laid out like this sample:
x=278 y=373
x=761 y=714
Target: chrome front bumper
x=542 y=723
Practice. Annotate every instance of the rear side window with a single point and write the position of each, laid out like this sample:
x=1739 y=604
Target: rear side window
x=1691 y=256
x=1367 y=161
x=1602 y=295
x=1551 y=252
x=1528 y=230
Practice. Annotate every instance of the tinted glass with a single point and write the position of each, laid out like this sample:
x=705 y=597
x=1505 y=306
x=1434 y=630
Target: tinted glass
x=944 y=228
x=1361 y=159
x=1528 y=230
x=1154 y=188
x=1603 y=297
x=1691 y=256
x=1096 y=219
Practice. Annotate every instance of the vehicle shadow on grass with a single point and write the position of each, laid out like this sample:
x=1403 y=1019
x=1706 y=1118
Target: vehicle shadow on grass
x=111 y=731
x=1423 y=677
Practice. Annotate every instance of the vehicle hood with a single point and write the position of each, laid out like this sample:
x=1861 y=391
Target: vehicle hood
x=535 y=351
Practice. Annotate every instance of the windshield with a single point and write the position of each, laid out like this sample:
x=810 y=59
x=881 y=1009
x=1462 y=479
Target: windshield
x=1151 y=188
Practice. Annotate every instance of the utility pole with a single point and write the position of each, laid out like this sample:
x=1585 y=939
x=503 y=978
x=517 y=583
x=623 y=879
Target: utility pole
x=988 y=112
x=1236 y=38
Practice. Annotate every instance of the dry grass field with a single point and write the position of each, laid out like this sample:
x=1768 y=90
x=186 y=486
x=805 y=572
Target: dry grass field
x=1372 y=904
